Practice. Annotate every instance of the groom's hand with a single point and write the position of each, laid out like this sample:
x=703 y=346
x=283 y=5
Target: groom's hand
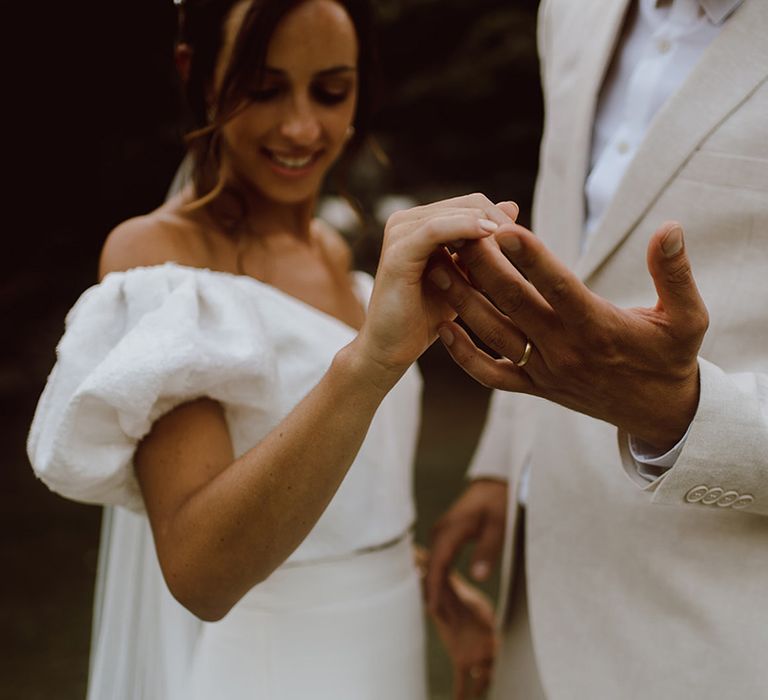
x=467 y=630
x=635 y=368
x=479 y=516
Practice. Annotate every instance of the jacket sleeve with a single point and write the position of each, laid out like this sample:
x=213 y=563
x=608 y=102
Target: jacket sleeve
x=724 y=463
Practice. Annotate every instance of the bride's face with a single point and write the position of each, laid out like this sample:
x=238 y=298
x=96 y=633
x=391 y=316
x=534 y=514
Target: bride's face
x=298 y=117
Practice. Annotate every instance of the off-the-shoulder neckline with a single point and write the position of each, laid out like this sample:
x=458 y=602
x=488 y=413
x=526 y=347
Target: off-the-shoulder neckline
x=270 y=288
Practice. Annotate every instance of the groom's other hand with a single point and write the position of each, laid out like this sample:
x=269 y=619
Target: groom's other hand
x=635 y=368
x=478 y=516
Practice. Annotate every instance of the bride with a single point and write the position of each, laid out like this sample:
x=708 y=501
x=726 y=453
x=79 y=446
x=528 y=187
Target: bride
x=224 y=392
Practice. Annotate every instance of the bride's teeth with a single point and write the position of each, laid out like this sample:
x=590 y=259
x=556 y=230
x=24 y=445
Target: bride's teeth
x=291 y=162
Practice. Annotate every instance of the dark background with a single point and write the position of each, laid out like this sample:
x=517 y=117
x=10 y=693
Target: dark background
x=96 y=101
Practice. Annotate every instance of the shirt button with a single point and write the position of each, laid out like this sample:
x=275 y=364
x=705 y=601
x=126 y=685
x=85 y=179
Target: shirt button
x=743 y=502
x=712 y=496
x=727 y=499
x=696 y=494
x=622 y=147
x=663 y=45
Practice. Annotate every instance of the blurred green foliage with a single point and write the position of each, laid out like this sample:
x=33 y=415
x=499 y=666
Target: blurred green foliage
x=461 y=108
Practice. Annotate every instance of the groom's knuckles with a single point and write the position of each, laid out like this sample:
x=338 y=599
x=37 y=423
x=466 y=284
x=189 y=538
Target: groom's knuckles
x=464 y=299
x=444 y=550
x=500 y=335
x=689 y=328
x=452 y=531
x=473 y=363
x=551 y=278
x=678 y=276
x=511 y=298
x=492 y=535
x=477 y=256
x=557 y=288
x=678 y=291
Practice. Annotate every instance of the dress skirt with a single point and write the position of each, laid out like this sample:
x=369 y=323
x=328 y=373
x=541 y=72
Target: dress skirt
x=346 y=629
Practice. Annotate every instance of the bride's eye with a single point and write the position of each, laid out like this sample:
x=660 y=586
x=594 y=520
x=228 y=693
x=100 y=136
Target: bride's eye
x=264 y=94
x=330 y=94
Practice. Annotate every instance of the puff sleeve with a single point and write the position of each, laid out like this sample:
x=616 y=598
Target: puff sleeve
x=134 y=347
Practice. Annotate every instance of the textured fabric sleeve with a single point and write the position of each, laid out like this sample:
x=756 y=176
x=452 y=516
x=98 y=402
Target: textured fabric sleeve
x=135 y=346
x=724 y=463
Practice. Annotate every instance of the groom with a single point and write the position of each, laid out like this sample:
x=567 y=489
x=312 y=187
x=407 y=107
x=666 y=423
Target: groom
x=635 y=560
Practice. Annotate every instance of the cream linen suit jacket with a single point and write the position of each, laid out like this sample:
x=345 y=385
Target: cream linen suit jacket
x=641 y=590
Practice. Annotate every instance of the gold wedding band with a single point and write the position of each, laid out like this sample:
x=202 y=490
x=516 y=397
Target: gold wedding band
x=523 y=361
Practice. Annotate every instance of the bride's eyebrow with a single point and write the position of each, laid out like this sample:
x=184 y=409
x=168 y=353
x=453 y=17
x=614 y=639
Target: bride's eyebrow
x=334 y=70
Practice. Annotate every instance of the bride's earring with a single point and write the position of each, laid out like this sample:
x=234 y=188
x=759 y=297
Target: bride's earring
x=350 y=132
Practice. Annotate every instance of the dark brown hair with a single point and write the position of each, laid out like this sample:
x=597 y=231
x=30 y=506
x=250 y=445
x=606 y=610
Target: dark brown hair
x=201 y=26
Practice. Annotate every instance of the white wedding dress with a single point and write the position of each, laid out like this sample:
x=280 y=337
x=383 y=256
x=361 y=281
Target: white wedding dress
x=342 y=618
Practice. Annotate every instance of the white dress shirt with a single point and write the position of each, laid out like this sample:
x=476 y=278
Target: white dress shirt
x=661 y=43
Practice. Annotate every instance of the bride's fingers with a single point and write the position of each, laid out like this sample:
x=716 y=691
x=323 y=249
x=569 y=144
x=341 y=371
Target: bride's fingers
x=406 y=225
x=480 y=201
x=421 y=242
x=499 y=214
x=510 y=209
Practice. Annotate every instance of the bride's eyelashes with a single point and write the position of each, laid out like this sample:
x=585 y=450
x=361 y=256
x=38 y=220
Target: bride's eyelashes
x=264 y=94
x=321 y=92
x=330 y=94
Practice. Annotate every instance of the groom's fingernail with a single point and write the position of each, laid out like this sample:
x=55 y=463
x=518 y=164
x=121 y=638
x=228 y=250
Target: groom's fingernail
x=440 y=278
x=480 y=570
x=510 y=244
x=673 y=242
x=446 y=336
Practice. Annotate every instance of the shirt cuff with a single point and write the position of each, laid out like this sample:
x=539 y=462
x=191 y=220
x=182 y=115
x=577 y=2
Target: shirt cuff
x=651 y=464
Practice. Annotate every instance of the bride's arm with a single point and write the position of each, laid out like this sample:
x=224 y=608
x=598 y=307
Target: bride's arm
x=221 y=524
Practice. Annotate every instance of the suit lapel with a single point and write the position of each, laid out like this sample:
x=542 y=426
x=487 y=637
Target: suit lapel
x=601 y=25
x=732 y=67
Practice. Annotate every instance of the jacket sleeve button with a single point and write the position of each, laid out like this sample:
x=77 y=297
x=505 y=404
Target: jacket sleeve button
x=696 y=494
x=727 y=499
x=743 y=502
x=712 y=496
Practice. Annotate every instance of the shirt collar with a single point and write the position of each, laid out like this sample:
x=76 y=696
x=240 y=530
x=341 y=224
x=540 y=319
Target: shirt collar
x=717 y=11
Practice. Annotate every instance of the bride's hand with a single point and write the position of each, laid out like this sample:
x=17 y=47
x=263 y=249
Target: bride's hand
x=404 y=313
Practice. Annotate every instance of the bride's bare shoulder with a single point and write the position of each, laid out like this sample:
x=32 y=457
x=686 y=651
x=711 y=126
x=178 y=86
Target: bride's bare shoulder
x=334 y=244
x=166 y=234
